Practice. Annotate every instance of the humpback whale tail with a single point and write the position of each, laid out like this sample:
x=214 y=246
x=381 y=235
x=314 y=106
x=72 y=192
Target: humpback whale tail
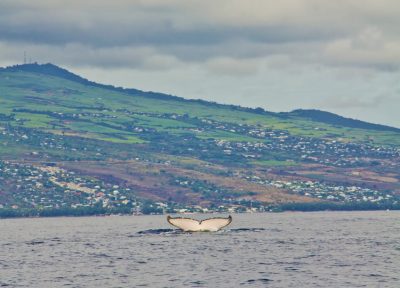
x=192 y=225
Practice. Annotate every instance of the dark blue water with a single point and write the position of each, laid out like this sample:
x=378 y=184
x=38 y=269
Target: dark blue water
x=324 y=249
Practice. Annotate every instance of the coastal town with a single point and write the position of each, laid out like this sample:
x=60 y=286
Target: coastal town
x=164 y=154
x=46 y=186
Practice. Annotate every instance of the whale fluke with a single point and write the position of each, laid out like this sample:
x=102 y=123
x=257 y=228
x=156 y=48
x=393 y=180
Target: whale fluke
x=193 y=225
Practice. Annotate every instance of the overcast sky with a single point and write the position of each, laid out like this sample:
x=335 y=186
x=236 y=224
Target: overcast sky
x=341 y=56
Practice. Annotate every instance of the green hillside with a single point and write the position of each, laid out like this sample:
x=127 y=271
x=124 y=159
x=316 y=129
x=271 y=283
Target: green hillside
x=167 y=153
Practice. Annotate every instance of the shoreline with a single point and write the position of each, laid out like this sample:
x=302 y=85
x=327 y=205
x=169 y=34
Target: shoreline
x=6 y=213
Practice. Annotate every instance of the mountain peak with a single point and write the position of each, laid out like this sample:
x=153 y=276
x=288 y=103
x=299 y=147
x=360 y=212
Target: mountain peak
x=48 y=69
x=34 y=67
x=334 y=119
x=311 y=114
x=56 y=71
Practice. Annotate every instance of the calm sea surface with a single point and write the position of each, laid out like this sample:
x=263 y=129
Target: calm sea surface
x=324 y=249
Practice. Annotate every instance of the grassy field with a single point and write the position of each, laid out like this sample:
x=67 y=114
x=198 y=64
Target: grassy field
x=32 y=91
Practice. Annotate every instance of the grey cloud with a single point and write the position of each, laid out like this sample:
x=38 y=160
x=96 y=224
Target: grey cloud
x=112 y=32
x=355 y=102
x=368 y=49
x=197 y=31
x=233 y=67
x=78 y=55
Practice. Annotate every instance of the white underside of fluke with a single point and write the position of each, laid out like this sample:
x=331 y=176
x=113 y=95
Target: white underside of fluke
x=192 y=225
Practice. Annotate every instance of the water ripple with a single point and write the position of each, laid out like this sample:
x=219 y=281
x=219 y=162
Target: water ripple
x=338 y=249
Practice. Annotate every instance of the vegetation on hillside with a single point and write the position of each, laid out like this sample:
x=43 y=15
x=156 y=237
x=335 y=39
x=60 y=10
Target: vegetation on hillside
x=68 y=143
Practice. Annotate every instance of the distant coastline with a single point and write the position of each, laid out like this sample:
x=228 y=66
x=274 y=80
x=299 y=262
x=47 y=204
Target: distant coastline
x=287 y=207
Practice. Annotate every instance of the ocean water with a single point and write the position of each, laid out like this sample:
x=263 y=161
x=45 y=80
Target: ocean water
x=319 y=249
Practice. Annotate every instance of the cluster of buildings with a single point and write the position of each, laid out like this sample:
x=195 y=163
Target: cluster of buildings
x=29 y=186
x=323 y=191
x=305 y=149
